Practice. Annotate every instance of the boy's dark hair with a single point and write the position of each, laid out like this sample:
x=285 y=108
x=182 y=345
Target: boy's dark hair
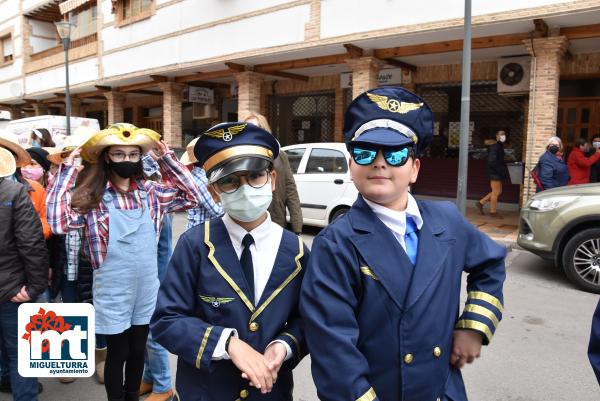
x=580 y=141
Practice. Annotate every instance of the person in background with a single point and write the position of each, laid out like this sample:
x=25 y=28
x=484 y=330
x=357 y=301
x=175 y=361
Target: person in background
x=122 y=214
x=285 y=196
x=41 y=138
x=23 y=264
x=579 y=165
x=497 y=173
x=156 y=379
x=595 y=171
x=208 y=208
x=552 y=169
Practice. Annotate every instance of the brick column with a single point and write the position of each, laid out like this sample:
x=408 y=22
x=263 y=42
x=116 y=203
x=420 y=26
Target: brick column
x=172 y=98
x=248 y=93
x=76 y=107
x=15 y=112
x=364 y=73
x=114 y=105
x=40 y=109
x=543 y=99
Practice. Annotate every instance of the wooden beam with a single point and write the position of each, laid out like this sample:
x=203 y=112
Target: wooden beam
x=353 y=50
x=236 y=67
x=102 y=88
x=159 y=78
x=581 y=32
x=302 y=63
x=133 y=87
x=401 y=64
x=289 y=75
x=53 y=100
x=58 y=94
x=540 y=28
x=147 y=92
x=203 y=76
x=485 y=42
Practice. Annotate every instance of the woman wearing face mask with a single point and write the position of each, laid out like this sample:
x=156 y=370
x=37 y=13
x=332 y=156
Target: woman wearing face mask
x=122 y=215
x=579 y=164
x=552 y=169
x=228 y=306
x=41 y=138
x=595 y=173
x=497 y=173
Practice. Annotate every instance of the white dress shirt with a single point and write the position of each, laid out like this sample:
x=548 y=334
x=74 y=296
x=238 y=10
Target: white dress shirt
x=396 y=220
x=267 y=237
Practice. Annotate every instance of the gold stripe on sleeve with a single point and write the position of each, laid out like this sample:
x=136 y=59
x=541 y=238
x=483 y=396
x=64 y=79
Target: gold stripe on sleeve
x=475 y=325
x=485 y=312
x=483 y=296
x=368 y=396
x=202 y=346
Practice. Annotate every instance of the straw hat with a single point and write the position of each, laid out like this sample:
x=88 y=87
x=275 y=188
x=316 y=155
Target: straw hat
x=10 y=141
x=8 y=165
x=118 y=134
x=81 y=135
x=188 y=158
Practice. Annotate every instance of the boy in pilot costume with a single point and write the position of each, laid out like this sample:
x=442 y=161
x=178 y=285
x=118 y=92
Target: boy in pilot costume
x=228 y=306
x=380 y=299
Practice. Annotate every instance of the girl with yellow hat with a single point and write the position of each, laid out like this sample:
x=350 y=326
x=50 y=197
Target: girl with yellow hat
x=122 y=214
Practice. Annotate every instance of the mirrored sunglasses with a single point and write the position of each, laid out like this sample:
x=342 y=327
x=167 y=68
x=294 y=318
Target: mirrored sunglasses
x=394 y=157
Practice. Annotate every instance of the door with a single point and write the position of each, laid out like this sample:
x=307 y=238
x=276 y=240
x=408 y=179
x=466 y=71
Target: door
x=577 y=117
x=322 y=182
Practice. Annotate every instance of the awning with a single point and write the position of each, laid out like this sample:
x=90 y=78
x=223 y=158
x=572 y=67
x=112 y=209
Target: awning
x=71 y=5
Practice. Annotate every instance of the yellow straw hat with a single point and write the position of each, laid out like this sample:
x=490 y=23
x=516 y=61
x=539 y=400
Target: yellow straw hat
x=118 y=134
x=81 y=135
x=10 y=141
x=188 y=157
x=8 y=165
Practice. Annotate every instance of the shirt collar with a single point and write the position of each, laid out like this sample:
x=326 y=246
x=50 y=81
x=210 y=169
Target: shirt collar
x=396 y=220
x=237 y=232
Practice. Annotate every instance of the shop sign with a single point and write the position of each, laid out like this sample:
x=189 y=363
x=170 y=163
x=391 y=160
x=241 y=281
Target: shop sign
x=388 y=76
x=199 y=94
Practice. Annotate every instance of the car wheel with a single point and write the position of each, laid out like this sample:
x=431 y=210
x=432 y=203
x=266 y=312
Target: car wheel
x=338 y=213
x=581 y=260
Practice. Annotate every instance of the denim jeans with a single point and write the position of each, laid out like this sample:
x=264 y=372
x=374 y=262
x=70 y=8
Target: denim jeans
x=156 y=366
x=69 y=290
x=23 y=389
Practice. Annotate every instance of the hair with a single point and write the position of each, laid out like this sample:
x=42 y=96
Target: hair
x=91 y=184
x=46 y=141
x=262 y=121
x=580 y=142
x=597 y=136
x=555 y=139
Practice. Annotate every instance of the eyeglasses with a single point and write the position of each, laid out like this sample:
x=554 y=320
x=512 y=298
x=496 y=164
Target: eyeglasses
x=395 y=157
x=121 y=156
x=231 y=182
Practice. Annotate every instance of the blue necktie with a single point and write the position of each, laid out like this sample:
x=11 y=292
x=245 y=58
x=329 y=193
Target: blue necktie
x=246 y=262
x=411 y=240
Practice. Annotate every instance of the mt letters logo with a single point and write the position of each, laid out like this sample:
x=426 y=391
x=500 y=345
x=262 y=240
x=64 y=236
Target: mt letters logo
x=56 y=340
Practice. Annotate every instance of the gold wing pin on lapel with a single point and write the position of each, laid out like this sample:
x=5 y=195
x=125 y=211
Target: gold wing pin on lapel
x=393 y=105
x=215 y=301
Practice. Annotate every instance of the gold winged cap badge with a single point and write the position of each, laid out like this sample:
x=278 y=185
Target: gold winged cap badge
x=227 y=135
x=393 y=105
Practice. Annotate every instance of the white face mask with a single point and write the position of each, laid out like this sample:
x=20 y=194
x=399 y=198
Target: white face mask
x=502 y=138
x=247 y=204
x=596 y=145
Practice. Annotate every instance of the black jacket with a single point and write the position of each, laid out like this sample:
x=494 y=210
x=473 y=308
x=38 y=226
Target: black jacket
x=23 y=253
x=496 y=165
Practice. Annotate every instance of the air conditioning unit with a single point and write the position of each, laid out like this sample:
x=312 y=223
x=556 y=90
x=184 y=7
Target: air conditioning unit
x=513 y=75
x=203 y=111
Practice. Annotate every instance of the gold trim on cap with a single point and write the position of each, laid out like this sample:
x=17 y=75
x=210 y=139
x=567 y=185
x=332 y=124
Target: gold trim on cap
x=241 y=150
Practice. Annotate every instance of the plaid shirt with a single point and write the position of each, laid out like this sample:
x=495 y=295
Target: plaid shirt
x=208 y=208
x=73 y=246
x=177 y=192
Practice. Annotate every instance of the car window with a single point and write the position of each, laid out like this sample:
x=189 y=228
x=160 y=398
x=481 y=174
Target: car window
x=294 y=157
x=326 y=161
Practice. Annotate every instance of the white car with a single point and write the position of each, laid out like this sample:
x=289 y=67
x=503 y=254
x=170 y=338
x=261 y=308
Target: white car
x=323 y=179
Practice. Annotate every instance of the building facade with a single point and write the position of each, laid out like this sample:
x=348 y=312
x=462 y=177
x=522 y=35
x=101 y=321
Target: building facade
x=178 y=66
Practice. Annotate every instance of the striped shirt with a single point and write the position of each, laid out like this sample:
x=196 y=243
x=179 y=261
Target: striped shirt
x=207 y=208
x=176 y=192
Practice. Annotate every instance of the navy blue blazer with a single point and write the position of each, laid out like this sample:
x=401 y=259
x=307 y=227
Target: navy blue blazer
x=594 y=347
x=205 y=291
x=380 y=329
x=553 y=171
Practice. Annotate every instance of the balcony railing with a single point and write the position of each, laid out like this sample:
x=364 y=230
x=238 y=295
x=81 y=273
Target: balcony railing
x=59 y=49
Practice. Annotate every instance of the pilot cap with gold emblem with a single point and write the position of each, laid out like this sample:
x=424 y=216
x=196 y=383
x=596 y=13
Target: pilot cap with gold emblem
x=389 y=116
x=230 y=147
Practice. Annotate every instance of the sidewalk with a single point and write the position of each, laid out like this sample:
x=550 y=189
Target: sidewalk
x=503 y=230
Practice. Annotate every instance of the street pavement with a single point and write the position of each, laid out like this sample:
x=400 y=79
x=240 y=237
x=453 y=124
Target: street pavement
x=537 y=354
